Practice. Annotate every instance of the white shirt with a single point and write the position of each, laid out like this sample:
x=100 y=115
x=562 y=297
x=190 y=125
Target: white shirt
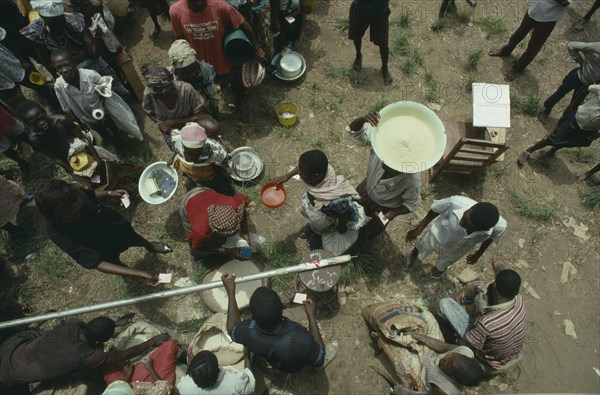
x=447 y=230
x=589 y=72
x=80 y=101
x=230 y=382
x=547 y=10
x=588 y=114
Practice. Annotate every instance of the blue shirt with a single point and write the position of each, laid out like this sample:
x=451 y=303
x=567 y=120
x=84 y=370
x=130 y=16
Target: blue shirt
x=288 y=350
x=372 y=7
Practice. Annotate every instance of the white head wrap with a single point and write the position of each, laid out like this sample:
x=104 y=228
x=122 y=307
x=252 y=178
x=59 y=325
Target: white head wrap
x=48 y=8
x=2 y=34
x=181 y=54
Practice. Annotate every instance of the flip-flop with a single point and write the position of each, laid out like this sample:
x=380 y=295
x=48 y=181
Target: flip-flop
x=497 y=52
x=165 y=250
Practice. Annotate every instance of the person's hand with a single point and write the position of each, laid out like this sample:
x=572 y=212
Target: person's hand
x=125 y=319
x=229 y=283
x=473 y=258
x=159 y=339
x=117 y=194
x=390 y=214
x=497 y=264
x=310 y=308
x=164 y=126
x=372 y=118
x=412 y=235
x=147 y=361
x=281 y=179
x=149 y=279
x=579 y=60
x=247 y=238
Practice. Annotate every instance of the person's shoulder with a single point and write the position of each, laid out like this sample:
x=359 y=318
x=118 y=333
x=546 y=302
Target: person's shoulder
x=178 y=7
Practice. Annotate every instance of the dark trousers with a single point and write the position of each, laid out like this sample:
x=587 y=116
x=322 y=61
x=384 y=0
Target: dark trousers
x=540 y=31
x=571 y=82
x=234 y=78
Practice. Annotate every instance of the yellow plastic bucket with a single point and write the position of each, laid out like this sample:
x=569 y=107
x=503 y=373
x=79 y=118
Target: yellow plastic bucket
x=36 y=78
x=287 y=113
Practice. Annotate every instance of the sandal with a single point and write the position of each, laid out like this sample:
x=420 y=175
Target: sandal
x=306 y=232
x=497 y=52
x=511 y=76
x=165 y=250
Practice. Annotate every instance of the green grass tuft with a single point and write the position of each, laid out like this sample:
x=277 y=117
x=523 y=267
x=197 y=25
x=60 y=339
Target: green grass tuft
x=342 y=24
x=591 y=197
x=404 y=20
x=463 y=16
x=531 y=209
x=473 y=60
x=440 y=24
x=432 y=94
x=417 y=57
x=493 y=26
x=379 y=103
x=365 y=263
x=54 y=264
x=469 y=83
x=400 y=42
x=527 y=105
x=409 y=67
x=582 y=155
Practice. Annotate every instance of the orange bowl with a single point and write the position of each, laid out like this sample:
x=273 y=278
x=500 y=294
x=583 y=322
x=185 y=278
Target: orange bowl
x=273 y=195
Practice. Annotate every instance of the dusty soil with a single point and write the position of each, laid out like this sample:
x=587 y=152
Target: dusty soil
x=329 y=97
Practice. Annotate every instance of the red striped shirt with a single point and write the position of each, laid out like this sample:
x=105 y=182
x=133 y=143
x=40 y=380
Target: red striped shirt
x=499 y=334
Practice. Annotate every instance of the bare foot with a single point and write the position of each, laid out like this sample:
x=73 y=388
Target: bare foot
x=511 y=76
x=498 y=52
x=357 y=65
x=522 y=159
x=387 y=77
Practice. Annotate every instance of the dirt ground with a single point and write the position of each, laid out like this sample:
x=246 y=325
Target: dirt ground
x=329 y=97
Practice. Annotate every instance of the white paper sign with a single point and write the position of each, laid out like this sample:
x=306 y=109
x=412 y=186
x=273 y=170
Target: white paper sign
x=299 y=298
x=491 y=105
x=165 y=278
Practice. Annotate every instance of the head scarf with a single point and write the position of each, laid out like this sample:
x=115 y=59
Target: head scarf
x=157 y=77
x=2 y=34
x=48 y=8
x=118 y=387
x=193 y=135
x=181 y=54
x=225 y=220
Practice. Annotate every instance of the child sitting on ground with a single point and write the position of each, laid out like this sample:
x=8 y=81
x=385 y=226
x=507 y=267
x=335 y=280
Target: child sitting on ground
x=201 y=159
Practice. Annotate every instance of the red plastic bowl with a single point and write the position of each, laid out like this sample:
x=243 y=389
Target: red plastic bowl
x=273 y=195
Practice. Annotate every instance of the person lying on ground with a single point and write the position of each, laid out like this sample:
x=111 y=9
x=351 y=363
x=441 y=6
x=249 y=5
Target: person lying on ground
x=579 y=129
x=587 y=55
x=460 y=224
x=205 y=377
x=216 y=226
x=495 y=327
x=77 y=92
x=200 y=159
x=91 y=233
x=330 y=204
x=172 y=104
x=384 y=191
x=286 y=345
x=71 y=346
x=61 y=139
x=198 y=73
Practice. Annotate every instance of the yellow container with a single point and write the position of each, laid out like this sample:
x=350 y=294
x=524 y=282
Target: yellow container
x=36 y=78
x=287 y=113
x=307 y=6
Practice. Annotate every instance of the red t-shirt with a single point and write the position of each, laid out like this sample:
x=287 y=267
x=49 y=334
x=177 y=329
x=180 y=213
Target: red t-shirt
x=206 y=30
x=197 y=212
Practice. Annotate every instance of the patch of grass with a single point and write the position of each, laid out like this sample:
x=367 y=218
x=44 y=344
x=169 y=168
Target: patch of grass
x=496 y=170
x=288 y=132
x=432 y=88
x=527 y=105
x=469 y=84
x=473 y=60
x=531 y=209
x=379 y=103
x=54 y=264
x=463 y=16
x=141 y=157
x=417 y=56
x=366 y=262
x=276 y=255
x=357 y=78
x=409 y=67
x=342 y=24
x=582 y=155
x=404 y=20
x=428 y=190
x=333 y=70
x=493 y=26
x=161 y=235
x=440 y=24
x=591 y=197
x=400 y=42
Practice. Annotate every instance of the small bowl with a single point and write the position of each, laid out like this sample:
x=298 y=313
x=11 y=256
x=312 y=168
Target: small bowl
x=273 y=195
x=290 y=65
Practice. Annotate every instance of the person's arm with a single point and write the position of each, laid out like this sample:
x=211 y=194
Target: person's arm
x=76 y=132
x=311 y=314
x=416 y=232
x=147 y=361
x=111 y=268
x=247 y=359
x=284 y=178
x=244 y=232
x=436 y=345
x=233 y=312
x=474 y=257
x=116 y=356
x=359 y=130
x=393 y=213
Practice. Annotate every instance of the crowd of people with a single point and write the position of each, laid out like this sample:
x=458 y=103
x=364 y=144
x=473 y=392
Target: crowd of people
x=87 y=109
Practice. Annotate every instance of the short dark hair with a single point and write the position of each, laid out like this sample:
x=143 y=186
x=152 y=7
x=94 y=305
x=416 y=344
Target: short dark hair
x=99 y=330
x=58 y=52
x=508 y=283
x=484 y=215
x=204 y=369
x=468 y=371
x=27 y=105
x=266 y=307
x=56 y=198
x=314 y=161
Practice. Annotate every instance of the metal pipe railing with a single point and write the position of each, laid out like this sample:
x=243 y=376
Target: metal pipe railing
x=175 y=292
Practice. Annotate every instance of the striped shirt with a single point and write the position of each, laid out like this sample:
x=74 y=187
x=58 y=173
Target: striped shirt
x=498 y=335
